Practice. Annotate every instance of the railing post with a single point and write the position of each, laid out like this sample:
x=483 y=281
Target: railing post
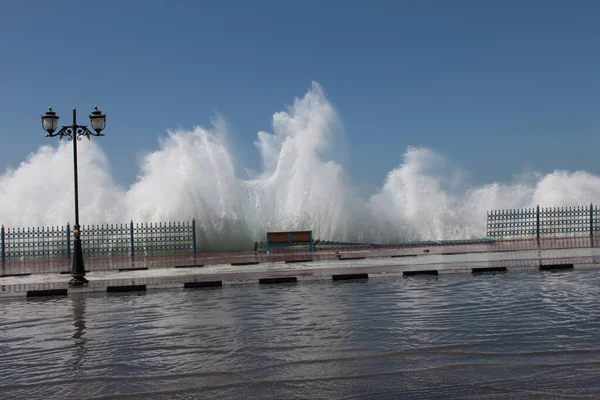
x=537 y=220
x=194 y=235
x=131 y=247
x=591 y=220
x=68 y=240
x=3 y=256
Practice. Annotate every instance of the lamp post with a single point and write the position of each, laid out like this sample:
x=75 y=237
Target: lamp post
x=74 y=133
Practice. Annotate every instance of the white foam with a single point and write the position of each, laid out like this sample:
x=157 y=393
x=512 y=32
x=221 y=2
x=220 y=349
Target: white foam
x=299 y=187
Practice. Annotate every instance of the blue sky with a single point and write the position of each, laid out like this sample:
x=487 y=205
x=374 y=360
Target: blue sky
x=498 y=87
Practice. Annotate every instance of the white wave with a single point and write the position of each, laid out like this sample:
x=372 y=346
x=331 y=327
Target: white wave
x=300 y=186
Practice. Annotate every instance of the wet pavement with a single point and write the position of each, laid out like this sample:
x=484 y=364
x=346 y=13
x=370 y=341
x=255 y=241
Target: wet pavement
x=24 y=277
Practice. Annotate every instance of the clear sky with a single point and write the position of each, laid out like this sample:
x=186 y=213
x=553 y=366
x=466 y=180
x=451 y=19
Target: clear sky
x=498 y=87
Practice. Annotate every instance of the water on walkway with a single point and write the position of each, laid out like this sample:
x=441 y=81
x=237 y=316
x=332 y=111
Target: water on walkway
x=523 y=335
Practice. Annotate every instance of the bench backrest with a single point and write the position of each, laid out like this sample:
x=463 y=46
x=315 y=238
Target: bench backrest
x=289 y=237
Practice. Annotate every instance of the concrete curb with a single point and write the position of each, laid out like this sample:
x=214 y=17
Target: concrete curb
x=139 y=281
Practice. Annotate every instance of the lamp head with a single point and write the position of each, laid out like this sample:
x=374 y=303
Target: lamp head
x=98 y=120
x=50 y=121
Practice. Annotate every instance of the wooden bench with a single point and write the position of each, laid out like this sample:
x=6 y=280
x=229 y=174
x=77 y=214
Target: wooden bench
x=296 y=238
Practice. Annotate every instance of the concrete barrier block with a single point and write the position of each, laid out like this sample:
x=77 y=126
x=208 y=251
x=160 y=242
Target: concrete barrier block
x=488 y=269
x=133 y=269
x=550 y=267
x=279 y=279
x=202 y=284
x=421 y=272
x=346 y=277
x=47 y=292
x=126 y=288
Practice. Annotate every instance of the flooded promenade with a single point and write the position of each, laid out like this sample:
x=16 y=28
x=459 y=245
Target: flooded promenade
x=510 y=319
x=520 y=336
x=145 y=273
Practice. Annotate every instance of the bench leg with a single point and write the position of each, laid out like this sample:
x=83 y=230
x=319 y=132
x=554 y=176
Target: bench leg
x=267 y=244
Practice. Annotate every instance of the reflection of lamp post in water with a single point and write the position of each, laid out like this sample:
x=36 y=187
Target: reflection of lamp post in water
x=79 y=317
x=80 y=349
x=74 y=133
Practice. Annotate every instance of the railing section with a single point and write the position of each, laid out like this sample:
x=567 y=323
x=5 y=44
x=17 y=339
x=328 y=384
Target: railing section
x=39 y=242
x=157 y=238
x=99 y=240
x=543 y=221
x=105 y=240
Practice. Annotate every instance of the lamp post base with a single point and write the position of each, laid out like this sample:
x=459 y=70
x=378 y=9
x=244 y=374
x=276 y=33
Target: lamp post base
x=78 y=281
x=78 y=269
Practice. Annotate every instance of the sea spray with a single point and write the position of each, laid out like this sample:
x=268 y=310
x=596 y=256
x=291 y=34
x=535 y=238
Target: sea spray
x=300 y=186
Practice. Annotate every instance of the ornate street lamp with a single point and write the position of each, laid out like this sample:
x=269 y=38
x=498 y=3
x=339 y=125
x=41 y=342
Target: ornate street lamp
x=74 y=133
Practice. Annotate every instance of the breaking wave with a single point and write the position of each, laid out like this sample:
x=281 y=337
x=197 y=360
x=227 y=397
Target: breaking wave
x=299 y=186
